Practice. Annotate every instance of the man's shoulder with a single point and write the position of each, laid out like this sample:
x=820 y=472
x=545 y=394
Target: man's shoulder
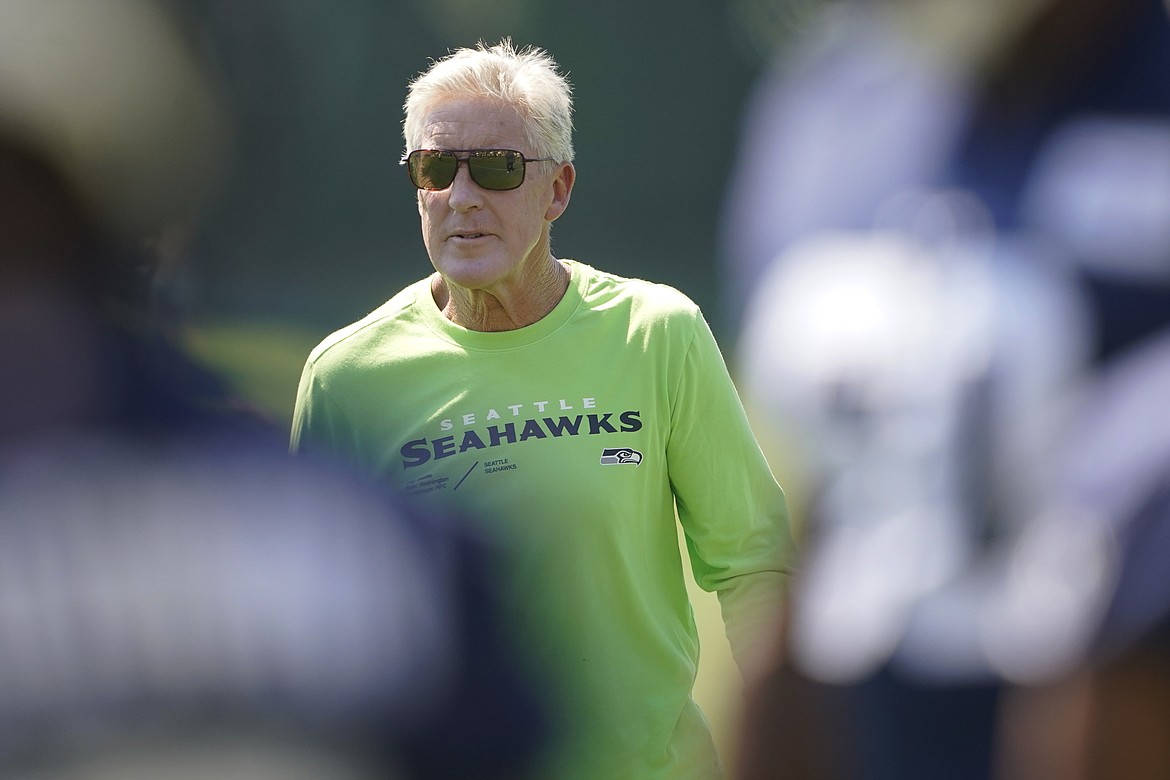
x=356 y=337
x=646 y=298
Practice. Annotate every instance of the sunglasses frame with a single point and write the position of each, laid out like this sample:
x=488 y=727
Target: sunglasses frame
x=467 y=156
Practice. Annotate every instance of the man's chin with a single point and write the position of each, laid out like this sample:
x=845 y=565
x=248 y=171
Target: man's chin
x=472 y=272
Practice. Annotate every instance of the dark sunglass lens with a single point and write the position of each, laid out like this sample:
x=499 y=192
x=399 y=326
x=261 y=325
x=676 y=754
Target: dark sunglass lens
x=432 y=170
x=497 y=169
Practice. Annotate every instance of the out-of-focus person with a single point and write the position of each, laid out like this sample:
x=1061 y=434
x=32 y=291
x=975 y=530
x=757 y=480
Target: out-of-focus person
x=178 y=596
x=96 y=176
x=576 y=416
x=1102 y=712
x=936 y=345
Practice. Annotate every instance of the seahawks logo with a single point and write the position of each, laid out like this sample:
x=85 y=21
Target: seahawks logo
x=620 y=456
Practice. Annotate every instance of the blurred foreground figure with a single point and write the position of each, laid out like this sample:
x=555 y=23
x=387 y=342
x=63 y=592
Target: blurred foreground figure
x=963 y=353
x=173 y=601
x=1104 y=713
x=112 y=137
x=178 y=598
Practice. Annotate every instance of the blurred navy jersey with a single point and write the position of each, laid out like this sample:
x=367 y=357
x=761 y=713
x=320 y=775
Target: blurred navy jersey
x=209 y=578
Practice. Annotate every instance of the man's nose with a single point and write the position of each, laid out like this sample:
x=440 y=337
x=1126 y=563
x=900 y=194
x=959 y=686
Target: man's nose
x=464 y=193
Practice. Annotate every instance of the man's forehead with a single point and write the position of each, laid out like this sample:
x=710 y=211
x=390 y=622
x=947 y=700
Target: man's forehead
x=482 y=123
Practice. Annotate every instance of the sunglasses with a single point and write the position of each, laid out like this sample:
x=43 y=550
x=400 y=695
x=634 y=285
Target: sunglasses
x=492 y=169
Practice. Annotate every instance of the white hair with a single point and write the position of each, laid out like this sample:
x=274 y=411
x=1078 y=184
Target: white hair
x=527 y=79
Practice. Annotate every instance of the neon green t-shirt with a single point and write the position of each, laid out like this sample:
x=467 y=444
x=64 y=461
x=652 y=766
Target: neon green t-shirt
x=572 y=442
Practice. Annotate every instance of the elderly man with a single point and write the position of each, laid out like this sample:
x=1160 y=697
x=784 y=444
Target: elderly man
x=568 y=412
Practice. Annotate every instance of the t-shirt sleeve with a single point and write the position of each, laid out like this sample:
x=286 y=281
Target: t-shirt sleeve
x=733 y=512
x=318 y=425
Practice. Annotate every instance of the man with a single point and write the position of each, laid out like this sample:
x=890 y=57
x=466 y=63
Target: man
x=568 y=410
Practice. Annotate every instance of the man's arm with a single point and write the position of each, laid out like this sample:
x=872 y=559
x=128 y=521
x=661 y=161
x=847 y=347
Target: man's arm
x=733 y=513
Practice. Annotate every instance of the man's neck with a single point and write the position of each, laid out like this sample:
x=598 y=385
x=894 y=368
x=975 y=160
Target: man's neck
x=503 y=309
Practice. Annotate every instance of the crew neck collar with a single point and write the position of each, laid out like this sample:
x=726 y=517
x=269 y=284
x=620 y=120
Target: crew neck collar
x=506 y=339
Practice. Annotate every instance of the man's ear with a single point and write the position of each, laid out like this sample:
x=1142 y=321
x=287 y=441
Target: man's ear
x=562 y=191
